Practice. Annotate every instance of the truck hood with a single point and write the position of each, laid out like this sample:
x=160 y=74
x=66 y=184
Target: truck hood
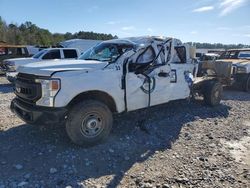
x=28 y=59
x=241 y=62
x=22 y=61
x=46 y=68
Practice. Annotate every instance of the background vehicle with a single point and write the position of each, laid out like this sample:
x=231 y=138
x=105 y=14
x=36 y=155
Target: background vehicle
x=240 y=59
x=209 y=57
x=13 y=51
x=115 y=76
x=206 y=59
x=9 y=66
x=81 y=44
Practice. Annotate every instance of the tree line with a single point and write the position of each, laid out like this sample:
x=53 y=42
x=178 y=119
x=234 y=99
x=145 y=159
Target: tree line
x=199 y=45
x=29 y=34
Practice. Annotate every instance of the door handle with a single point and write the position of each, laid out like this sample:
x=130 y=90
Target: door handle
x=163 y=74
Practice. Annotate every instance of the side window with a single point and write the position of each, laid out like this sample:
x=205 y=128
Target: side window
x=232 y=55
x=19 y=51
x=70 y=53
x=181 y=53
x=23 y=52
x=162 y=54
x=147 y=56
x=198 y=55
x=52 y=54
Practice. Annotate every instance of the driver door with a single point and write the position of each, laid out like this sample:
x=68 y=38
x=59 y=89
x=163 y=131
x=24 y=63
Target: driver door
x=141 y=94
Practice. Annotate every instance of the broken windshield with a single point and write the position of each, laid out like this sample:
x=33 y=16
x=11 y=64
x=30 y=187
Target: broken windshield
x=106 y=51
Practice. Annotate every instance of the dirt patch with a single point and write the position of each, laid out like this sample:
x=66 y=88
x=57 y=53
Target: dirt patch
x=240 y=149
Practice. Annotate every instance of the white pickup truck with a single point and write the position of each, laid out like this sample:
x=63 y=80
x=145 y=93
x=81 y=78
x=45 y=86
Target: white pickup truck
x=115 y=76
x=10 y=65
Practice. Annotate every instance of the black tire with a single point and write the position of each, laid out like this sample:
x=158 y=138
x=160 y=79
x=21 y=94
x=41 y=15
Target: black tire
x=212 y=92
x=246 y=84
x=89 y=123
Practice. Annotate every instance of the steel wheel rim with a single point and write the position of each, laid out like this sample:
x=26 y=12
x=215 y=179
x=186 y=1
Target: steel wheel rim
x=92 y=125
x=217 y=94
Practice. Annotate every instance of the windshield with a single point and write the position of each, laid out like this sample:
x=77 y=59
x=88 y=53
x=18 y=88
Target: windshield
x=230 y=55
x=244 y=54
x=208 y=58
x=39 y=54
x=106 y=52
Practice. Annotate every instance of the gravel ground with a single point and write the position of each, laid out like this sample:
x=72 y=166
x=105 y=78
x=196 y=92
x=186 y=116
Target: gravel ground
x=179 y=144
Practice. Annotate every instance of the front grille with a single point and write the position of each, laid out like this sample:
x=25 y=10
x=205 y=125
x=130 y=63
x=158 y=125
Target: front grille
x=30 y=78
x=26 y=91
x=26 y=88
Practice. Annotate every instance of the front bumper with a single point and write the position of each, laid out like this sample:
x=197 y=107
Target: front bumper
x=36 y=114
x=6 y=68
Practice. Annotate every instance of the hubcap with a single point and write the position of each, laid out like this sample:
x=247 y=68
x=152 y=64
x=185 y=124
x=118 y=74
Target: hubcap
x=91 y=125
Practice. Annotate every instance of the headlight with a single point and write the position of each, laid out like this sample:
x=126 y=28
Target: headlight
x=49 y=90
x=241 y=70
x=9 y=63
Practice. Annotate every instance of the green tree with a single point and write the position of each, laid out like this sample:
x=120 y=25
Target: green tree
x=29 y=33
x=3 y=30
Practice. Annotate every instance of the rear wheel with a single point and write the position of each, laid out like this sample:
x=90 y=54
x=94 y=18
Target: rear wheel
x=212 y=92
x=89 y=123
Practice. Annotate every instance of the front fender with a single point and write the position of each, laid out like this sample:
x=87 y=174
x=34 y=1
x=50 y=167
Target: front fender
x=74 y=83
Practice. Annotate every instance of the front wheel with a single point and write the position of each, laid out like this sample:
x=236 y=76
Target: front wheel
x=246 y=85
x=212 y=92
x=89 y=123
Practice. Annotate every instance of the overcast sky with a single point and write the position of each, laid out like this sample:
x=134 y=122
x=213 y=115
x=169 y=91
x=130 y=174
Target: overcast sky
x=224 y=21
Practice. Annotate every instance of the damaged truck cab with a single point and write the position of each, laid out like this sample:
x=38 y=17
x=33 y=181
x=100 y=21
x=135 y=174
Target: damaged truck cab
x=240 y=71
x=115 y=76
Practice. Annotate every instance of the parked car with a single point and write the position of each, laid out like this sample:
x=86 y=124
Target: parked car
x=115 y=76
x=12 y=51
x=9 y=66
x=240 y=59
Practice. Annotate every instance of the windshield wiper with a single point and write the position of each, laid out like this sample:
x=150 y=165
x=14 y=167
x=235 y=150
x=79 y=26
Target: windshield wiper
x=92 y=59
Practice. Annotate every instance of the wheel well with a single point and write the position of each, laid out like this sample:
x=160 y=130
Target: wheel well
x=202 y=84
x=95 y=95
